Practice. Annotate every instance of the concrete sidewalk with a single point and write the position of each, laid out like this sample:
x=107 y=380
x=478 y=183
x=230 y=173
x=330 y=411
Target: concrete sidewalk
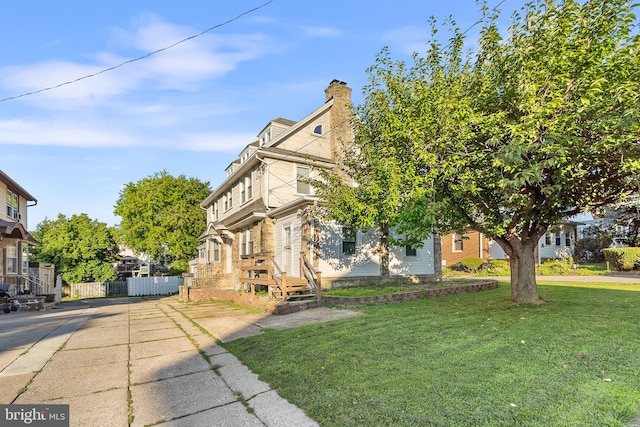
x=130 y=361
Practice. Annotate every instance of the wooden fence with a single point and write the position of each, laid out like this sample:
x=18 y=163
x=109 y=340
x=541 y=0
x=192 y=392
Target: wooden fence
x=134 y=286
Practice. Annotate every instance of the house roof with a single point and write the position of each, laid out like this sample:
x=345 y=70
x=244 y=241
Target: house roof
x=16 y=230
x=279 y=120
x=15 y=187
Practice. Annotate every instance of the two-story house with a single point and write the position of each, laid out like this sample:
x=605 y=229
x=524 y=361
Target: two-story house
x=266 y=206
x=14 y=238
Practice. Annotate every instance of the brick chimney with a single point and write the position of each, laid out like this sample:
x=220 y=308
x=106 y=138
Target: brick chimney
x=340 y=121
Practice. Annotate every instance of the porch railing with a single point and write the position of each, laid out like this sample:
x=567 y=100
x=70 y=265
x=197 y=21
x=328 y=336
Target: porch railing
x=263 y=270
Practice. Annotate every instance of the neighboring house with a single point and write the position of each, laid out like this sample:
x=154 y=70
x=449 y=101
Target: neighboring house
x=15 y=241
x=266 y=207
x=456 y=247
x=558 y=242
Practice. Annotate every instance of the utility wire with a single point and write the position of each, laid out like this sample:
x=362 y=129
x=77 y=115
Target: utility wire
x=139 y=58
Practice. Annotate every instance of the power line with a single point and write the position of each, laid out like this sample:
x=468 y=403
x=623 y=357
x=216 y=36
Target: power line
x=122 y=64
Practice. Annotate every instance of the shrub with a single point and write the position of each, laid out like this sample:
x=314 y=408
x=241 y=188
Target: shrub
x=554 y=267
x=622 y=259
x=496 y=267
x=590 y=249
x=471 y=264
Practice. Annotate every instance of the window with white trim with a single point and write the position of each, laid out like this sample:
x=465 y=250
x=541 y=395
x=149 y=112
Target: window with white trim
x=348 y=241
x=11 y=258
x=248 y=180
x=216 y=251
x=302 y=174
x=317 y=130
x=457 y=243
x=25 y=259
x=13 y=205
x=410 y=251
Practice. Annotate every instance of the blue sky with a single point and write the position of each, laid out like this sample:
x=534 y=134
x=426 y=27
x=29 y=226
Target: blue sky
x=189 y=109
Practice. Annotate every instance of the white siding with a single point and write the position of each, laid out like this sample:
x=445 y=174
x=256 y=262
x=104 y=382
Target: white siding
x=335 y=264
x=294 y=222
x=422 y=263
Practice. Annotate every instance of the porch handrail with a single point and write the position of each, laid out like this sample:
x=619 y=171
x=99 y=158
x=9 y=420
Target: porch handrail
x=310 y=273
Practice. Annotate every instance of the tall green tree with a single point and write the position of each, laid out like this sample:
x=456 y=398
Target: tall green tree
x=527 y=129
x=82 y=249
x=161 y=217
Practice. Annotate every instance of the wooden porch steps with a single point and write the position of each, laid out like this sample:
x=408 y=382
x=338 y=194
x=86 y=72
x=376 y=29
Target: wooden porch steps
x=261 y=270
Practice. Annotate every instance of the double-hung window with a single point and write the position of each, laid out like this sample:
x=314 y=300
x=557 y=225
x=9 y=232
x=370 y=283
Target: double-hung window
x=249 y=186
x=11 y=258
x=246 y=189
x=348 y=241
x=13 y=206
x=302 y=174
x=410 y=251
x=458 y=243
x=216 y=251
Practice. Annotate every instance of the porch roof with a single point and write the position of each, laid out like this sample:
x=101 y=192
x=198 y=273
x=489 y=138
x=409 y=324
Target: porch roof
x=15 y=230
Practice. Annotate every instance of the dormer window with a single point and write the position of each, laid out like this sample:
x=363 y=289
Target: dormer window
x=317 y=130
x=13 y=206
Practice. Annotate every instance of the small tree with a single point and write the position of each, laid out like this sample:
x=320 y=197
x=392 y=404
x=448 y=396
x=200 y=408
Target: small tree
x=83 y=250
x=161 y=217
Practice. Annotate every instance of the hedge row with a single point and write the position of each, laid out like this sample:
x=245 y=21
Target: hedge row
x=622 y=259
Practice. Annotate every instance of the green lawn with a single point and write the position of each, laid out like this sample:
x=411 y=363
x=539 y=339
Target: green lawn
x=473 y=359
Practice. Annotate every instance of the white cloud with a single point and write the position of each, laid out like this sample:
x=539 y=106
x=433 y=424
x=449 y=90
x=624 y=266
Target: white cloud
x=181 y=67
x=233 y=142
x=25 y=132
x=322 y=31
x=407 y=39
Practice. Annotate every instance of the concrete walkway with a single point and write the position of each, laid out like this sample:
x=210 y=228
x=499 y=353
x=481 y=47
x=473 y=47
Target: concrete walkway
x=137 y=362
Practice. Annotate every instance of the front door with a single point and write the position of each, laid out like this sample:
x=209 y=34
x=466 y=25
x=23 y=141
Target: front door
x=286 y=249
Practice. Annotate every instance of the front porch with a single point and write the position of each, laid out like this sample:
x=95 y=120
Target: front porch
x=260 y=271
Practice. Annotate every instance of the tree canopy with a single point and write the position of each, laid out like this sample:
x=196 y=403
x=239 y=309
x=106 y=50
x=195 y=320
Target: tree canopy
x=161 y=217
x=512 y=137
x=82 y=249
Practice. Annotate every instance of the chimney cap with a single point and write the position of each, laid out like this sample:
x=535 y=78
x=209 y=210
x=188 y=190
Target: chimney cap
x=336 y=81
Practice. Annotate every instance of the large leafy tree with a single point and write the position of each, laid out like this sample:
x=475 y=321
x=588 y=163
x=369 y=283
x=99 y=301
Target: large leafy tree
x=82 y=249
x=161 y=217
x=509 y=139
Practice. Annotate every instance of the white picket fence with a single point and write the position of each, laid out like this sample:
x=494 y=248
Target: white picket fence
x=134 y=286
x=160 y=285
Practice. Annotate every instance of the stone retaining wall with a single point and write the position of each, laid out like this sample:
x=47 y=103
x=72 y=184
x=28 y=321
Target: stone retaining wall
x=289 y=307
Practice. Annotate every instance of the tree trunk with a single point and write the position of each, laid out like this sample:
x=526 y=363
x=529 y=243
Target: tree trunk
x=384 y=251
x=524 y=289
